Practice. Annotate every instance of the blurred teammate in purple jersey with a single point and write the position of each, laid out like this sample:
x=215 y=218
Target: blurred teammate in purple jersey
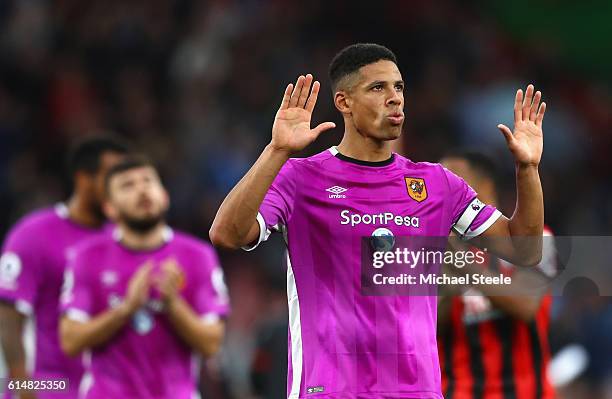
x=144 y=299
x=32 y=265
x=343 y=344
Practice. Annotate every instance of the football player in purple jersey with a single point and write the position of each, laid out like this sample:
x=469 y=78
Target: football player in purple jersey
x=342 y=343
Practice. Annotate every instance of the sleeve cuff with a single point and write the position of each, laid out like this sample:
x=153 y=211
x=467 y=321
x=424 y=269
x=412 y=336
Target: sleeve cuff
x=21 y=305
x=24 y=307
x=77 y=315
x=264 y=233
x=210 y=318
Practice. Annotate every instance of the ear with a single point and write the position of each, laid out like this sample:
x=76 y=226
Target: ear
x=166 y=199
x=343 y=102
x=110 y=211
x=81 y=179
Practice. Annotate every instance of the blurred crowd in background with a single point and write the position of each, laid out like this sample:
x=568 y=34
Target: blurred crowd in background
x=196 y=84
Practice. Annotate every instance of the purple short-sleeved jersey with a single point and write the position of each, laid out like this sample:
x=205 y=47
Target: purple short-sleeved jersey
x=32 y=266
x=146 y=359
x=343 y=344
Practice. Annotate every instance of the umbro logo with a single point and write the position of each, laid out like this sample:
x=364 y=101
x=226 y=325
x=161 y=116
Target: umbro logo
x=336 y=189
x=336 y=192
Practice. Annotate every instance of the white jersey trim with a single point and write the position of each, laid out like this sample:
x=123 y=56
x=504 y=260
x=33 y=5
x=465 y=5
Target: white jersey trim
x=29 y=343
x=24 y=307
x=295 y=328
x=77 y=315
x=264 y=233
x=334 y=150
x=61 y=210
x=86 y=383
x=167 y=234
x=210 y=318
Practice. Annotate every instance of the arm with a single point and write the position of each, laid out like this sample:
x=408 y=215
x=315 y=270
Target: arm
x=21 y=278
x=205 y=337
x=78 y=335
x=235 y=224
x=523 y=231
x=11 y=335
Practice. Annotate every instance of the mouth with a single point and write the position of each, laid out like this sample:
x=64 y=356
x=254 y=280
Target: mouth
x=396 y=118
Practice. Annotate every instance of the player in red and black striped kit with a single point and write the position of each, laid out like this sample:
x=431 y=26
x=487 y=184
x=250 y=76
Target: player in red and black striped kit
x=493 y=346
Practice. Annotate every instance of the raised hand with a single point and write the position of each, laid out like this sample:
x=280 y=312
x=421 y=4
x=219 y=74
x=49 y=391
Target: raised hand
x=526 y=142
x=291 y=131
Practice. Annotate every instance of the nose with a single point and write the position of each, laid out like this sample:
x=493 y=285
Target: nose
x=395 y=98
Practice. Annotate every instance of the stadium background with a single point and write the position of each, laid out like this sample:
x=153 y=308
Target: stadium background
x=196 y=85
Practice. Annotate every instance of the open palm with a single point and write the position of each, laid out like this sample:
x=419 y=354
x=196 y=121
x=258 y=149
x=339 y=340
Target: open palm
x=291 y=131
x=526 y=142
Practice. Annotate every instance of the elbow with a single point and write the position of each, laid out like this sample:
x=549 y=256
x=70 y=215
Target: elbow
x=534 y=257
x=527 y=255
x=221 y=239
x=69 y=348
x=211 y=348
x=211 y=339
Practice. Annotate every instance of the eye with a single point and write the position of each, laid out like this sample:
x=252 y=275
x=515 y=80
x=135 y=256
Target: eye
x=377 y=87
x=127 y=185
x=399 y=87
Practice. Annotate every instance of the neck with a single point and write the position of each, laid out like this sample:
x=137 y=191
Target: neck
x=80 y=212
x=146 y=240
x=365 y=148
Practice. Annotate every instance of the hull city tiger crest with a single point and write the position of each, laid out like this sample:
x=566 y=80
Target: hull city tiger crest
x=416 y=188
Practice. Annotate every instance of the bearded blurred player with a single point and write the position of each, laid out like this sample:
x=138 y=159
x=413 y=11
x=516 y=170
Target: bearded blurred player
x=143 y=300
x=33 y=261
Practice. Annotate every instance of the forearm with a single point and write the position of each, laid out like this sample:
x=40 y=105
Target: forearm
x=203 y=337
x=527 y=222
x=76 y=336
x=11 y=331
x=238 y=212
x=528 y=217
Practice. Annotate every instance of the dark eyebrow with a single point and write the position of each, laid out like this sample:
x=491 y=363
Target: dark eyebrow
x=376 y=83
x=382 y=82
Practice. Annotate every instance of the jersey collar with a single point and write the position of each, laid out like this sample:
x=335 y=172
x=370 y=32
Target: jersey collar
x=334 y=151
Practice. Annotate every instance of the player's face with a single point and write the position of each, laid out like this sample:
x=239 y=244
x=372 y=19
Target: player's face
x=376 y=102
x=462 y=168
x=137 y=198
